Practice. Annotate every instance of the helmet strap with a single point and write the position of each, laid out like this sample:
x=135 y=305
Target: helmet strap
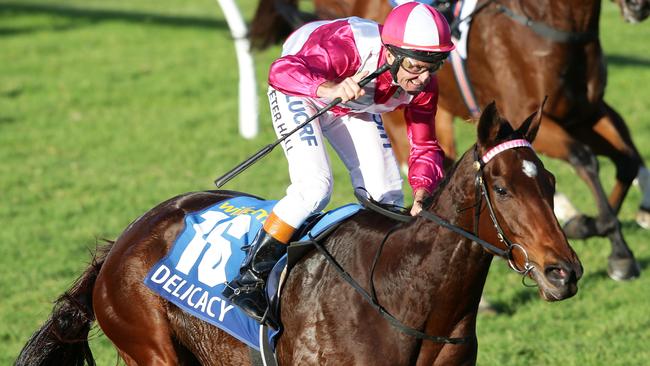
x=394 y=67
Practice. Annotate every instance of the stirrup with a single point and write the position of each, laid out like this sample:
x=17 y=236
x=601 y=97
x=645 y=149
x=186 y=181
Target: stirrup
x=249 y=298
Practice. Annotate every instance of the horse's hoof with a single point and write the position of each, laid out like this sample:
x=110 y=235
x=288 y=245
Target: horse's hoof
x=580 y=227
x=623 y=269
x=643 y=218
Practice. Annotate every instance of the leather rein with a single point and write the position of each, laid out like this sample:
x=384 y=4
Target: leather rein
x=481 y=193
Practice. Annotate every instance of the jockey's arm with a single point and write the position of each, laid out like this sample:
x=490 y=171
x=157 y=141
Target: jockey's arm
x=425 y=156
x=324 y=59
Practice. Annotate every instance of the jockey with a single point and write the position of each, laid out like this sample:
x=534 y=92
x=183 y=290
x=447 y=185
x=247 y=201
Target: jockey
x=324 y=60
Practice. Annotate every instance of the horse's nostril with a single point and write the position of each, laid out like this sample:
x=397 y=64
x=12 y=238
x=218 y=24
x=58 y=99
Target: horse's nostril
x=557 y=275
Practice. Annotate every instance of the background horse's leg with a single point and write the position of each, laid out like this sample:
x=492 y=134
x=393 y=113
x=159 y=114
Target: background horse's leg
x=629 y=163
x=619 y=147
x=610 y=137
x=555 y=142
x=643 y=215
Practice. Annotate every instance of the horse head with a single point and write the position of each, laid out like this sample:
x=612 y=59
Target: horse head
x=515 y=205
x=634 y=11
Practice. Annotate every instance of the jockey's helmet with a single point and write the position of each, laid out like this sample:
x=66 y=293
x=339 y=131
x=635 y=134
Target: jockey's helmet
x=417 y=31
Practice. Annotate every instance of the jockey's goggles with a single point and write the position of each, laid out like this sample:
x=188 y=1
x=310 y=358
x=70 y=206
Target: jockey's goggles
x=410 y=65
x=407 y=60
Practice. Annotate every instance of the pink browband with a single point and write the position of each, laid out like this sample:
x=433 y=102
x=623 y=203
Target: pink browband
x=503 y=147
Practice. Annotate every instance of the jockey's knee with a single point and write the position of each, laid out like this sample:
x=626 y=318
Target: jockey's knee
x=314 y=192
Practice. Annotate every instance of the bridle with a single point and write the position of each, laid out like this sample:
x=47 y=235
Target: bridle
x=481 y=193
x=479 y=164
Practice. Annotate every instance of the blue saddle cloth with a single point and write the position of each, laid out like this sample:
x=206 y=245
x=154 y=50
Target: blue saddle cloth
x=207 y=254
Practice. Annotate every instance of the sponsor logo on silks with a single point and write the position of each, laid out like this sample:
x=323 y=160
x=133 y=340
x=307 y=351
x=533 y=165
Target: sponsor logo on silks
x=299 y=115
x=207 y=254
x=382 y=132
x=395 y=3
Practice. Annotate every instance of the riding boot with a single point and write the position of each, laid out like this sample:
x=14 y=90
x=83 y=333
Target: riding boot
x=247 y=290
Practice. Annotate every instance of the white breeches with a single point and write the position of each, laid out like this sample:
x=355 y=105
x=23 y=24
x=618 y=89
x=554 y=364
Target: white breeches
x=360 y=141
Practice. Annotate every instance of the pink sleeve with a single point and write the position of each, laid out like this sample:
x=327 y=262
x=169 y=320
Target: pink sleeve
x=426 y=155
x=329 y=54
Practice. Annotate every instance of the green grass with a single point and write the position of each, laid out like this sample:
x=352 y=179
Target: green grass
x=109 y=107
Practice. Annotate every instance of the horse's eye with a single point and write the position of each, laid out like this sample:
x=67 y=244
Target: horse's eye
x=500 y=190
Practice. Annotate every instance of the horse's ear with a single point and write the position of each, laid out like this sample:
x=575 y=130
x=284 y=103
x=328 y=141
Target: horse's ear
x=530 y=126
x=491 y=126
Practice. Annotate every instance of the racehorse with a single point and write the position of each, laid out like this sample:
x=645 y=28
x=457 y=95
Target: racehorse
x=518 y=52
x=498 y=194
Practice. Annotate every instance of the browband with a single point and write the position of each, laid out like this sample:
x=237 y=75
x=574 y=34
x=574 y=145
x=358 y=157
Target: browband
x=503 y=147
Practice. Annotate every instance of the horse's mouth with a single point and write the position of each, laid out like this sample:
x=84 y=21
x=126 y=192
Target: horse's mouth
x=555 y=282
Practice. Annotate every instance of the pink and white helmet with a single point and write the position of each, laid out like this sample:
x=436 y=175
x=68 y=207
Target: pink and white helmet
x=417 y=26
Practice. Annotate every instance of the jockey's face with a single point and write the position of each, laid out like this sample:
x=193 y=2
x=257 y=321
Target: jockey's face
x=413 y=75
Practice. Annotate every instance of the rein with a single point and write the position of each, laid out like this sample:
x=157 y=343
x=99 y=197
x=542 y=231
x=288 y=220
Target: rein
x=481 y=191
x=372 y=299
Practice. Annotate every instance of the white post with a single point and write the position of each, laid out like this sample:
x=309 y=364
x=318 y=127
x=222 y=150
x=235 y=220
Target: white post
x=248 y=111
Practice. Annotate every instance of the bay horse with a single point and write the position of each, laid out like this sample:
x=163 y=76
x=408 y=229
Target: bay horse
x=519 y=52
x=506 y=201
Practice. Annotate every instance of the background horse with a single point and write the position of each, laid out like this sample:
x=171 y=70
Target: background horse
x=427 y=276
x=517 y=65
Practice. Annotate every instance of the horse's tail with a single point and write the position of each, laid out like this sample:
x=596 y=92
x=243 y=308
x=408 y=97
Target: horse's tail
x=63 y=339
x=274 y=20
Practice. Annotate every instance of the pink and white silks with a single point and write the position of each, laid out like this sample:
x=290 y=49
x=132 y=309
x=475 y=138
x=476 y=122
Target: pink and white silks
x=331 y=51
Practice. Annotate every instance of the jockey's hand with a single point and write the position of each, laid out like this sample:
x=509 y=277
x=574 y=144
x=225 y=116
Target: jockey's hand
x=347 y=90
x=418 y=196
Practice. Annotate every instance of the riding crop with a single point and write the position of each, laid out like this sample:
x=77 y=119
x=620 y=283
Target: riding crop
x=267 y=149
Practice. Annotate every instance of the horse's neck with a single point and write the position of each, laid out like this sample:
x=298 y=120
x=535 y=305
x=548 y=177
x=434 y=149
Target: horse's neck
x=466 y=261
x=445 y=272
